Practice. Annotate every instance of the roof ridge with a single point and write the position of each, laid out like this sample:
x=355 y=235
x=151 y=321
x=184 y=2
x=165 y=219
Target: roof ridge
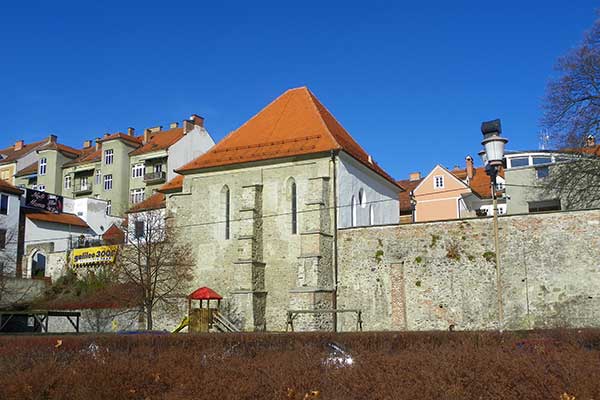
x=313 y=101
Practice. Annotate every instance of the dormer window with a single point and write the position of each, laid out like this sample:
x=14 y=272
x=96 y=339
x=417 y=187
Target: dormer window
x=438 y=182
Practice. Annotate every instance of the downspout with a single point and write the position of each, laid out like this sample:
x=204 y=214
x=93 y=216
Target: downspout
x=335 y=240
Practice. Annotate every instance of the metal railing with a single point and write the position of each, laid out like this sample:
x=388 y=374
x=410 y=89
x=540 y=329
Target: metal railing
x=83 y=188
x=157 y=176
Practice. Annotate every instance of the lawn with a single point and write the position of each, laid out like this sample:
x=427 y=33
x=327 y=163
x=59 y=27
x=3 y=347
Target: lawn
x=559 y=364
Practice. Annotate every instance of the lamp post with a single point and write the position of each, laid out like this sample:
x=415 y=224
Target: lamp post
x=492 y=156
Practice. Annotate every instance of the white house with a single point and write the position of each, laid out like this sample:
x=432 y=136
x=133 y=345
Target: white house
x=9 y=227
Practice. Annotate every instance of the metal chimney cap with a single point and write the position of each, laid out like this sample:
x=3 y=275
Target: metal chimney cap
x=493 y=126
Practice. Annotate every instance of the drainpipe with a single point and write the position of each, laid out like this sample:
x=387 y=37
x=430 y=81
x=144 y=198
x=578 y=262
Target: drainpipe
x=335 y=240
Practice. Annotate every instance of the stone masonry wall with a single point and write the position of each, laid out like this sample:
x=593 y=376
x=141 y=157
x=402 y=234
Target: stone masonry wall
x=430 y=276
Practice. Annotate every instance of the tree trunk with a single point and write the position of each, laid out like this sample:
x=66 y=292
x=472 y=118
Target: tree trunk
x=149 y=317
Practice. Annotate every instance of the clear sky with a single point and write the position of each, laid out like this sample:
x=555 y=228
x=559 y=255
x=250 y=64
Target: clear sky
x=410 y=80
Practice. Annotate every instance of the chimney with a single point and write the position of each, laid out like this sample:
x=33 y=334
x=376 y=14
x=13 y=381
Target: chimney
x=590 y=141
x=370 y=159
x=173 y=125
x=87 y=144
x=470 y=169
x=187 y=126
x=97 y=144
x=52 y=139
x=19 y=144
x=147 y=133
x=155 y=129
x=197 y=120
x=415 y=176
x=131 y=131
x=106 y=134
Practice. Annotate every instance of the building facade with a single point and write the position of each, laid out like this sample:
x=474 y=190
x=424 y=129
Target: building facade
x=264 y=205
x=10 y=198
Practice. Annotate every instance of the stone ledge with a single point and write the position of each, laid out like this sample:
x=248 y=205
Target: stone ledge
x=310 y=256
x=311 y=289
x=245 y=262
x=316 y=233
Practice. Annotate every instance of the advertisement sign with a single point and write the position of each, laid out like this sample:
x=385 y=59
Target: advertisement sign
x=44 y=201
x=93 y=255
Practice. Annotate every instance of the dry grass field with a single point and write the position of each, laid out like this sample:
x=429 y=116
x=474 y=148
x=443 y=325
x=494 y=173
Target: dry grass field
x=561 y=364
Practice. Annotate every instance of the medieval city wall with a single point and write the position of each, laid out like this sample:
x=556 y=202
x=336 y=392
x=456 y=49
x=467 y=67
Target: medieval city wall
x=429 y=276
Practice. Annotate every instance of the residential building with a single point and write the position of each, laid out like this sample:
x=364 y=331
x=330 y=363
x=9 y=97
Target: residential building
x=449 y=194
x=528 y=172
x=10 y=198
x=264 y=205
x=121 y=168
x=20 y=156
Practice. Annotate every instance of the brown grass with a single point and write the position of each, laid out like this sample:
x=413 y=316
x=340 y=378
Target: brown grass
x=441 y=365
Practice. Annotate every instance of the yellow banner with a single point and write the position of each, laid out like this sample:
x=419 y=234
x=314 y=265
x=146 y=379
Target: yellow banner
x=93 y=255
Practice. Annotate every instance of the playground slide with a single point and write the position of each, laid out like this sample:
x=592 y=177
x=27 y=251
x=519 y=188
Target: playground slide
x=184 y=322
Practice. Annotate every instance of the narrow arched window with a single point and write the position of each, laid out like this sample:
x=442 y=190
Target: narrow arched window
x=353 y=212
x=371 y=215
x=226 y=202
x=362 y=199
x=294 y=204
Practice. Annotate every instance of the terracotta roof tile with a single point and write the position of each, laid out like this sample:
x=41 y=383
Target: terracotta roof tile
x=408 y=186
x=9 y=188
x=480 y=184
x=69 y=151
x=12 y=155
x=294 y=124
x=88 y=155
x=29 y=170
x=154 y=202
x=159 y=140
x=136 y=140
x=174 y=185
x=64 y=218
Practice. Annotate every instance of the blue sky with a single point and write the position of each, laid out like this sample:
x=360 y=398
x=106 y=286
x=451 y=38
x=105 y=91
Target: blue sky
x=411 y=81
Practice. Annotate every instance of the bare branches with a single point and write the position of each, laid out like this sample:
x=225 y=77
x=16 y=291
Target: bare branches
x=154 y=261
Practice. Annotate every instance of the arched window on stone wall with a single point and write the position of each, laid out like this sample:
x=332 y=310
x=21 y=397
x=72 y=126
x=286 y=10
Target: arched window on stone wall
x=226 y=211
x=293 y=191
x=353 y=211
x=371 y=215
x=38 y=264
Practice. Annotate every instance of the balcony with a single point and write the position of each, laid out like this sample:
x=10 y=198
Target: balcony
x=155 y=177
x=80 y=189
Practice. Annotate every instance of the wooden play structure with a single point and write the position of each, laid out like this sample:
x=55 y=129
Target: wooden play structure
x=207 y=317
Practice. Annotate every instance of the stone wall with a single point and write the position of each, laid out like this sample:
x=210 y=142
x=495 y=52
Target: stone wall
x=429 y=276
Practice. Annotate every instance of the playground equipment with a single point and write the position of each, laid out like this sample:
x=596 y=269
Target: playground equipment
x=205 y=319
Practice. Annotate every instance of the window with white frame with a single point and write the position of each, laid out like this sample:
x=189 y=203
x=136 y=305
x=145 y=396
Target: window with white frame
x=137 y=195
x=108 y=156
x=43 y=165
x=108 y=207
x=158 y=167
x=438 y=182
x=84 y=183
x=138 y=229
x=98 y=177
x=137 y=170
x=67 y=181
x=108 y=182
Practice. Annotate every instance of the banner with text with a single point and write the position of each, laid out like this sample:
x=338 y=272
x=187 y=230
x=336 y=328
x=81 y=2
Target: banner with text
x=90 y=256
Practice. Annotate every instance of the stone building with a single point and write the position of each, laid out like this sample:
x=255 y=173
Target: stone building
x=263 y=206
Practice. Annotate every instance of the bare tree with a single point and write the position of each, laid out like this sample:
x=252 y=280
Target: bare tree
x=572 y=103
x=154 y=261
x=572 y=118
x=10 y=293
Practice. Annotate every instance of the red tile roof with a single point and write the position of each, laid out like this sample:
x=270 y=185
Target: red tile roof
x=174 y=185
x=11 y=155
x=89 y=155
x=154 y=202
x=480 y=183
x=159 y=140
x=408 y=186
x=294 y=124
x=136 y=140
x=7 y=187
x=64 y=218
x=29 y=170
x=68 y=151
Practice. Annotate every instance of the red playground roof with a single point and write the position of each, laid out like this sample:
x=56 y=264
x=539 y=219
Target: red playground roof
x=204 y=293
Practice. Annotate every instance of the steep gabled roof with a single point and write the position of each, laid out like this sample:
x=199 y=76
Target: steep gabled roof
x=89 y=155
x=158 y=141
x=133 y=140
x=9 y=188
x=294 y=124
x=408 y=186
x=480 y=183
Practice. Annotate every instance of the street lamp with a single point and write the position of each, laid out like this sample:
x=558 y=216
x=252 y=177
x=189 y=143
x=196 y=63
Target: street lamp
x=492 y=156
